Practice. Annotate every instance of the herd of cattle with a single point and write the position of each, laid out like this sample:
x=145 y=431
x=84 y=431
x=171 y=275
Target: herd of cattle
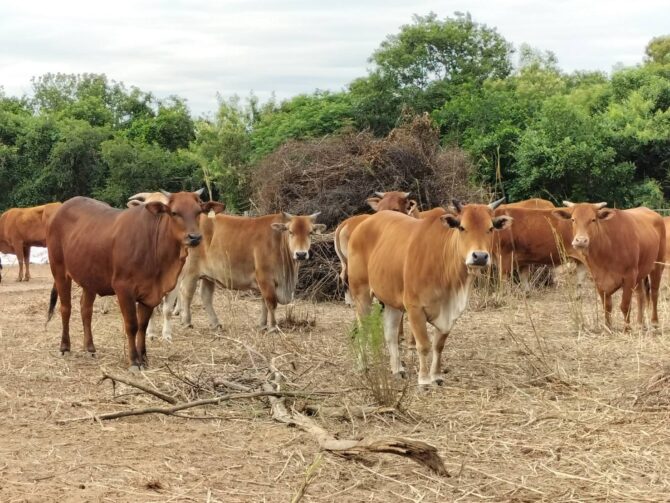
x=418 y=262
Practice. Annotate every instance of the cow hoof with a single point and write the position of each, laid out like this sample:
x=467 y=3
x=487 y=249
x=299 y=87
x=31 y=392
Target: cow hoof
x=92 y=353
x=401 y=374
x=152 y=337
x=134 y=369
x=438 y=380
x=425 y=382
x=167 y=338
x=273 y=330
x=64 y=352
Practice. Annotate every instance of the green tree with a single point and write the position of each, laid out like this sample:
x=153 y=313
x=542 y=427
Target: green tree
x=658 y=50
x=423 y=65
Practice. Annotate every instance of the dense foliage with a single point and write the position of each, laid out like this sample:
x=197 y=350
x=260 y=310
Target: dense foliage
x=530 y=128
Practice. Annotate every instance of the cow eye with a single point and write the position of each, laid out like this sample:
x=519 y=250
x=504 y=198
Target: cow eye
x=491 y=229
x=572 y=219
x=173 y=213
x=593 y=220
x=461 y=228
x=290 y=233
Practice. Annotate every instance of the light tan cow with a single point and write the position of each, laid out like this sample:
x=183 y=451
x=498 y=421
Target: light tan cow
x=248 y=253
x=622 y=249
x=23 y=228
x=382 y=201
x=423 y=267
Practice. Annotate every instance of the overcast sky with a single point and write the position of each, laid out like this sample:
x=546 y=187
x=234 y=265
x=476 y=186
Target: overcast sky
x=198 y=48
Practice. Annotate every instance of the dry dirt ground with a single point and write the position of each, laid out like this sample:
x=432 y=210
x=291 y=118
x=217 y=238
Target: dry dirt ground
x=534 y=408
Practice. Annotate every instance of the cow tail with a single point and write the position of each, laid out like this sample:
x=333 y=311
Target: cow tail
x=52 y=302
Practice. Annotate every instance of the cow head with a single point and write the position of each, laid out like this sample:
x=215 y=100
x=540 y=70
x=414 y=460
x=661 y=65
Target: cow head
x=393 y=201
x=475 y=224
x=299 y=230
x=184 y=209
x=146 y=197
x=585 y=218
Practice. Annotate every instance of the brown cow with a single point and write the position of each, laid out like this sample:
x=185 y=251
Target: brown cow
x=538 y=237
x=248 y=253
x=422 y=267
x=384 y=201
x=666 y=221
x=136 y=254
x=622 y=249
x=22 y=228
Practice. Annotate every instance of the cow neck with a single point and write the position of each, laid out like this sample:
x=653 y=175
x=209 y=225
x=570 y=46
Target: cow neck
x=601 y=242
x=288 y=271
x=167 y=250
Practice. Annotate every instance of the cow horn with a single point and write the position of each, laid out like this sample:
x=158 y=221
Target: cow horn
x=406 y=194
x=314 y=215
x=497 y=203
x=287 y=215
x=600 y=205
x=457 y=204
x=166 y=193
x=380 y=194
x=199 y=192
x=568 y=204
x=140 y=196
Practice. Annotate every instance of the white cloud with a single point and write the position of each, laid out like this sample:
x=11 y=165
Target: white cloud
x=196 y=49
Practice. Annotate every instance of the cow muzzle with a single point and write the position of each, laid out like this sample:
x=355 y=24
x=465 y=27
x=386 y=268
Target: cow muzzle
x=477 y=259
x=581 y=242
x=301 y=255
x=193 y=239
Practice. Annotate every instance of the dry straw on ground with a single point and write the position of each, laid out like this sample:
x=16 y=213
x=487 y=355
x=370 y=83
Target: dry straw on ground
x=533 y=408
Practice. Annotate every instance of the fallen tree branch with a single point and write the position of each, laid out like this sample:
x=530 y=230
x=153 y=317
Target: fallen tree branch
x=186 y=405
x=345 y=412
x=146 y=389
x=416 y=450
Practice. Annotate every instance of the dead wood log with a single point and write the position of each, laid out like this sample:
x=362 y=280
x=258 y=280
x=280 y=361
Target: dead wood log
x=186 y=405
x=134 y=384
x=357 y=411
x=416 y=450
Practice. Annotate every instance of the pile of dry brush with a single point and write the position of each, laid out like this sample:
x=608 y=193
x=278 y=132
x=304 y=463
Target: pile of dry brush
x=336 y=174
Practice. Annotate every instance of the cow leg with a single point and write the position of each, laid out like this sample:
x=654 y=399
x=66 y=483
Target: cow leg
x=19 y=250
x=654 y=286
x=168 y=303
x=436 y=365
x=606 y=300
x=392 y=319
x=26 y=260
x=129 y=313
x=524 y=279
x=417 y=322
x=64 y=287
x=409 y=337
x=152 y=331
x=626 y=298
x=207 y=296
x=641 y=293
x=186 y=293
x=143 y=316
x=86 y=303
x=269 y=304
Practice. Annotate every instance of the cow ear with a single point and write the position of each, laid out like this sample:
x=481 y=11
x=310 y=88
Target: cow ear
x=562 y=214
x=503 y=222
x=133 y=203
x=319 y=228
x=214 y=206
x=449 y=220
x=157 y=207
x=606 y=214
x=278 y=226
x=373 y=202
